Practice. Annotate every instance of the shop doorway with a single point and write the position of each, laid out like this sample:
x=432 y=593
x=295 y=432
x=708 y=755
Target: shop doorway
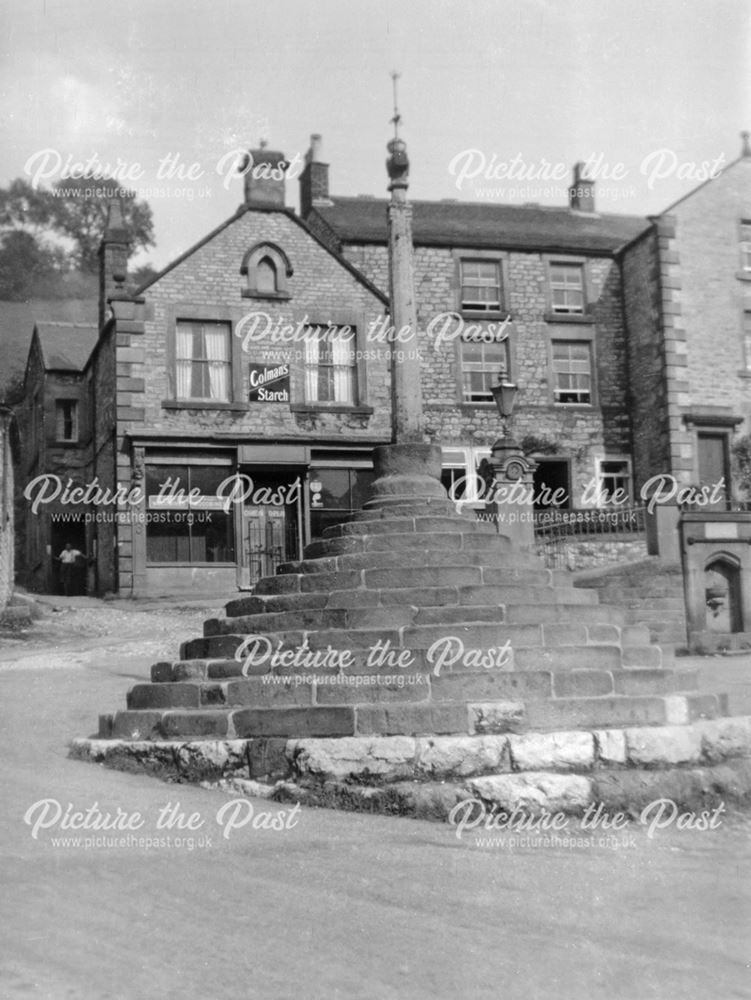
x=270 y=528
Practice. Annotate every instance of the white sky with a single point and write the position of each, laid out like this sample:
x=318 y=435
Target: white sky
x=532 y=79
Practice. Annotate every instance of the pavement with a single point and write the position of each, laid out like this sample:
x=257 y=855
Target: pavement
x=196 y=894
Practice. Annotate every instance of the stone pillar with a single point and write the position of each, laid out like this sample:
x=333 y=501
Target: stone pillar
x=512 y=501
x=405 y=364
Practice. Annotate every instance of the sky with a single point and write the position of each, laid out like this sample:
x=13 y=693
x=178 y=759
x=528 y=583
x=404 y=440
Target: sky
x=499 y=98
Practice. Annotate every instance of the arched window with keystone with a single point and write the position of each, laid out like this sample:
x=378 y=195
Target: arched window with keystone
x=267 y=270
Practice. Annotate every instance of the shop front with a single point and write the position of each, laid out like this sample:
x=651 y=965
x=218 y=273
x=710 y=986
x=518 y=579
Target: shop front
x=216 y=519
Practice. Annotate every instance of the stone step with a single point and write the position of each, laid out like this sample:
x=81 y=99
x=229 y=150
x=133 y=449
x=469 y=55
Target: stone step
x=607 y=712
x=195 y=670
x=456 y=540
x=412 y=557
x=584 y=614
x=421 y=597
x=621 y=711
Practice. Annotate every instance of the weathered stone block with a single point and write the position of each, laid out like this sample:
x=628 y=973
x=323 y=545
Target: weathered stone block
x=540 y=751
x=461 y=755
x=535 y=791
x=663 y=746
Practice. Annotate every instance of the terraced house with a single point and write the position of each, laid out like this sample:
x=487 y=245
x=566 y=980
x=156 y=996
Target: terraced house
x=240 y=393
x=531 y=291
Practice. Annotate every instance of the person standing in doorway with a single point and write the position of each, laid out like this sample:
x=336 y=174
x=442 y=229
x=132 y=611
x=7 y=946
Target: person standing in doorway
x=67 y=560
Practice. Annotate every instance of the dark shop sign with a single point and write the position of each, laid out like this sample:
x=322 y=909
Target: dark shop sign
x=269 y=384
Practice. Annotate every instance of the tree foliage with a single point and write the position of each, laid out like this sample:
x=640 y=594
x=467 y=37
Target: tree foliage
x=48 y=236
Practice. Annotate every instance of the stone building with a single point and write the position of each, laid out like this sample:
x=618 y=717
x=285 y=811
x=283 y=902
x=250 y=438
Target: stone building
x=687 y=303
x=55 y=421
x=236 y=407
x=531 y=291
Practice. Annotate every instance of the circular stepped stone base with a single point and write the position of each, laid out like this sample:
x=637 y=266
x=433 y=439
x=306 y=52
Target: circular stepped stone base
x=695 y=766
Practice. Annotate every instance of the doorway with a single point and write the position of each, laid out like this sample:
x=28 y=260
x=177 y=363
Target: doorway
x=60 y=535
x=714 y=465
x=271 y=526
x=550 y=475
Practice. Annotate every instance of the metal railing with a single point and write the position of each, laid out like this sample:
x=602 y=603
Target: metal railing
x=556 y=531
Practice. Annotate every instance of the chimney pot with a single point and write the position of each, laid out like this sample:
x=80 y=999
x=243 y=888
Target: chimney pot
x=746 y=149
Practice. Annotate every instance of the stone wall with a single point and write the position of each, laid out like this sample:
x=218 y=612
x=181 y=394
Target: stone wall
x=578 y=555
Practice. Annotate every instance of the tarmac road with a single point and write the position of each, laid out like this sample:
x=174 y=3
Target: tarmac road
x=334 y=905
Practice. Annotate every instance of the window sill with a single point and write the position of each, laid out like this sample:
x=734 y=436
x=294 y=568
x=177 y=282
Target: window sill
x=248 y=293
x=364 y=411
x=202 y=404
x=477 y=315
x=553 y=317
x=574 y=406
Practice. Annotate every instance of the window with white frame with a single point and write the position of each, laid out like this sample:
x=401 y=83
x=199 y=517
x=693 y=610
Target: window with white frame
x=481 y=367
x=465 y=474
x=330 y=366
x=203 y=364
x=572 y=371
x=745 y=245
x=480 y=285
x=66 y=419
x=613 y=480
x=567 y=288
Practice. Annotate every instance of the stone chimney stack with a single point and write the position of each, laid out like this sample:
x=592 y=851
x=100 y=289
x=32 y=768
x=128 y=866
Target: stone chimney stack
x=314 y=180
x=113 y=259
x=264 y=172
x=581 y=194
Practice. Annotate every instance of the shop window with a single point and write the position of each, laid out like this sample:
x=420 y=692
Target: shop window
x=203 y=367
x=481 y=366
x=330 y=366
x=567 y=289
x=572 y=371
x=185 y=519
x=66 y=419
x=335 y=494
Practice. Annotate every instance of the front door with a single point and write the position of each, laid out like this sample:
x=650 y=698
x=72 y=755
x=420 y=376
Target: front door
x=713 y=464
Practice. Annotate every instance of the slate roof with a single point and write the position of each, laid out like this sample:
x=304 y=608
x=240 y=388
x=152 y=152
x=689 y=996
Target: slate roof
x=66 y=346
x=480 y=225
x=17 y=320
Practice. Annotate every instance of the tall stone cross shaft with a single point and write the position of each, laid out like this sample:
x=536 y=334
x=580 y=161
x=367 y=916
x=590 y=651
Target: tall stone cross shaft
x=405 y=361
